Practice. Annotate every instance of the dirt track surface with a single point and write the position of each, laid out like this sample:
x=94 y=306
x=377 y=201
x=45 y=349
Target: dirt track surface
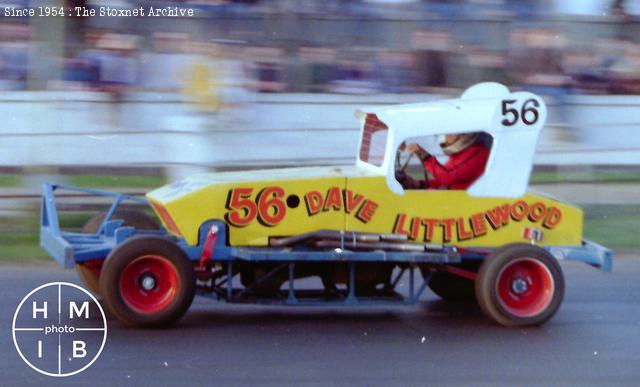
x=593 y=340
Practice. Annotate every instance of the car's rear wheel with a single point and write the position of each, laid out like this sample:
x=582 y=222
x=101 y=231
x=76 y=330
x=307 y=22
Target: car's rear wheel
x=147 y=281
x=520 y=285
x=89 y=271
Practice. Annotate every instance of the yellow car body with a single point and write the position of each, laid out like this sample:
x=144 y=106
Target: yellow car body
x=276 y=203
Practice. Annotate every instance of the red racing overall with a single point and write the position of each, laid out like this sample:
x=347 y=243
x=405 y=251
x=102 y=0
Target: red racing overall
x=460 y=171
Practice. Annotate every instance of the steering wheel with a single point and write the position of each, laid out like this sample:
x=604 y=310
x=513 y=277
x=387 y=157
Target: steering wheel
x=401 y=166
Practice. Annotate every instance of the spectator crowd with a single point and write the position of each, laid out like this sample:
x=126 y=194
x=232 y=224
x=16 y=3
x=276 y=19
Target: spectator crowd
x=529 y=50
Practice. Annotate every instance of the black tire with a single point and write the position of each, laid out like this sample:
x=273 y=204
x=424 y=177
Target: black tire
x=90 y=273
x=147 y=282
x=520 y=285
x=90 y=276
x=451 y=287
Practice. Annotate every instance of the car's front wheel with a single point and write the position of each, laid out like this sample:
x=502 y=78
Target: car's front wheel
x=520 y=285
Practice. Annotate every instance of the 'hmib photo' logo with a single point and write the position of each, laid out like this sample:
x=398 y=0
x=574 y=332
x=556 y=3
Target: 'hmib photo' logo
x=59 y=329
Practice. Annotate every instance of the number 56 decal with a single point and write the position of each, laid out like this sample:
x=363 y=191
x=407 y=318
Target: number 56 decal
x=528 y=112
x=268 y=206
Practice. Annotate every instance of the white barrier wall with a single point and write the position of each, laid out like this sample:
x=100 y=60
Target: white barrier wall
x=78 y=128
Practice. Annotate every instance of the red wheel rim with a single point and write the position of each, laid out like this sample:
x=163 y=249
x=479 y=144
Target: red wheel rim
x=525 y=287
x=149 y=283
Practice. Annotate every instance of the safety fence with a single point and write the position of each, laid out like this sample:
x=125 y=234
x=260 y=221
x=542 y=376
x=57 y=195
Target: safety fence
x=144 y=130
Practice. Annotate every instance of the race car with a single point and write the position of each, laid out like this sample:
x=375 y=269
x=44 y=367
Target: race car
x=257 y=236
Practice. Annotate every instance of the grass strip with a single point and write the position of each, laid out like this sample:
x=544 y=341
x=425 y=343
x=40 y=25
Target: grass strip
x=543 y=177
x=117 y=181
x=10 y=180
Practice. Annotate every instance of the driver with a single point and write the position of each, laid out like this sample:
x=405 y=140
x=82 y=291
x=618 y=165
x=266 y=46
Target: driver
x=468 y=157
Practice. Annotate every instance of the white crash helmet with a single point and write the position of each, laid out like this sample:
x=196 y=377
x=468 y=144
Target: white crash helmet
x=463 y=141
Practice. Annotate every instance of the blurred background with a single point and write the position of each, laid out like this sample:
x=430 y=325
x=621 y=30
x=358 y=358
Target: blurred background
x=128 y=104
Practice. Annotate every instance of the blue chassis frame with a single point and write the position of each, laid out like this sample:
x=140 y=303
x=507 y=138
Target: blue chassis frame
x=69 y=248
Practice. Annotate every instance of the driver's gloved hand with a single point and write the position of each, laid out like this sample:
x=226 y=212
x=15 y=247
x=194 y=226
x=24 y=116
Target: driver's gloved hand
x=408 y=182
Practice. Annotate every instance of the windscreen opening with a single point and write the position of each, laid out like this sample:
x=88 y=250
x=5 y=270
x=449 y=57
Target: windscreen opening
x=374 y=140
